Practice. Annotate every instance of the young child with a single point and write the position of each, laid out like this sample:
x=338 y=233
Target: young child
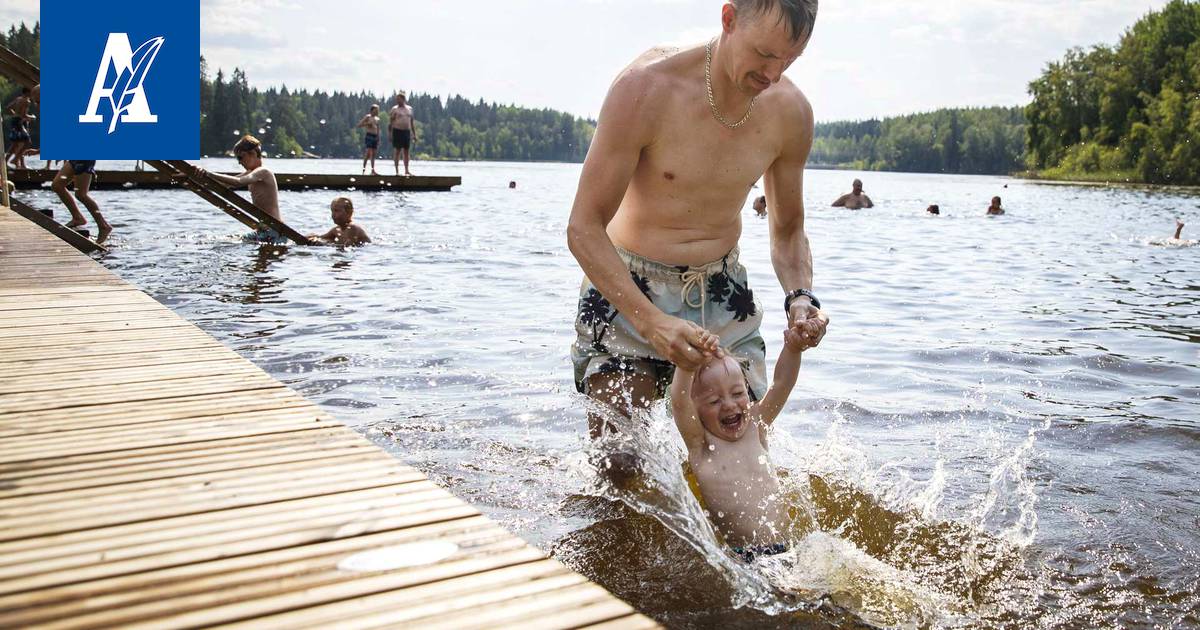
x=995 y=209
x=345 y=231
x=726 y=438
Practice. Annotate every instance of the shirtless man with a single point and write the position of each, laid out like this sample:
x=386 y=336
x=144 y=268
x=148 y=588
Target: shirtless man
x=258 y=179
x=404 y=131
x=855 y=199
x=18 y=131
x=683 y=136
x=370 y=122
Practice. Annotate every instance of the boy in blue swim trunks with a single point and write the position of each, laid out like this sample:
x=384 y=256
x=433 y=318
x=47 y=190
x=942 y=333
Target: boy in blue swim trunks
x=725 y=431
x=18 y=131
x=80 y=173
x=370 y=122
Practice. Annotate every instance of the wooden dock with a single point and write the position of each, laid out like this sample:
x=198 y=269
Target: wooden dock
x=152 y=478
x=154 y=180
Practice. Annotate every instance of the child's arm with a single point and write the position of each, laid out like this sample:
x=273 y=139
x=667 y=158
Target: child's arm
x=787 y=368
x=684 y=410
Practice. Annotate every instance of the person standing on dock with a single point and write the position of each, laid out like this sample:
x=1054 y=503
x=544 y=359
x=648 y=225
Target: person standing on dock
x=18 y=131
x=404 y=131
x=683 y=136
x=258 y=179
x=370 y=122
x=80 y=173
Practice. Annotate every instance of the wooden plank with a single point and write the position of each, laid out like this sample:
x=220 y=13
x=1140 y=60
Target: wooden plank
x=77 y=311
x=69 y=236
x=448 y=588
x=86 y=328
x=188 y=532
x=131 y=597
x=422 y=504
x=175 y=356
x=137 y=413
x=146 y=376
x=147 y=341
x=18 y=69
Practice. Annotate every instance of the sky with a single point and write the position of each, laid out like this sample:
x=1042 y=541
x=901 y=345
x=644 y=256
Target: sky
x=867 y=58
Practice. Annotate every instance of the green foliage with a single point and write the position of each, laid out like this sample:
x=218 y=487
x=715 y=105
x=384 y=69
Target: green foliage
x=975 y=141
x=1132 y=109
x=320 y=123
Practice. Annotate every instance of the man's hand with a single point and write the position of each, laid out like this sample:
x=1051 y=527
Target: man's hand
x=808 y=321
x=684 y=343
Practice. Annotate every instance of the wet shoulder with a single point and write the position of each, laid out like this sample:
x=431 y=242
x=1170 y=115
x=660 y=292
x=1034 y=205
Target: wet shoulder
x=788 y=99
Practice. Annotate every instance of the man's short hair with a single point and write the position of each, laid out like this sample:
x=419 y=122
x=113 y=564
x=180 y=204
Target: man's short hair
x=800 y=16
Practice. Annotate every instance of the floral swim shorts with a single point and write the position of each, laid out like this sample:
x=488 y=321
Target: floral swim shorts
x=714 y=295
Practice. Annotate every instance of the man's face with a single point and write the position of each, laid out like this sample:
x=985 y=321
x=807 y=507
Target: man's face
x=762 y=49
x=857 y=187
x=721 y=399
x=339 y=213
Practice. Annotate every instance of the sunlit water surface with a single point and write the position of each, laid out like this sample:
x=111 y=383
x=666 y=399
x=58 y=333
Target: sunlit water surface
x=1002 y=426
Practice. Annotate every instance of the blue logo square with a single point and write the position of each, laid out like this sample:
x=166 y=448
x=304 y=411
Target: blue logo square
x=120 y=81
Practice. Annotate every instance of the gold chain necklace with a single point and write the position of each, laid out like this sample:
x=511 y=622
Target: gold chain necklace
x=712 y=102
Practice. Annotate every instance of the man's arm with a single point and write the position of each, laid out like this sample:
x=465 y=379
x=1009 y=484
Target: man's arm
x=626 y=126
x=684 y=410
x=841 y=202
x=412 y=122
x=790 y=252
x=870 y=204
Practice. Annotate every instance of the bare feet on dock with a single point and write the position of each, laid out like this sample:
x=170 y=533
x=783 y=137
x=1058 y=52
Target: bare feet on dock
x=76 y=223
x=103 y=230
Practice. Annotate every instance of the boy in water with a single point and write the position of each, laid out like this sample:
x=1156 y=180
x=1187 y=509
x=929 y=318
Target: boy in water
x=264 y=190
x=345 y=231
x=726 y=438
x=995 y=209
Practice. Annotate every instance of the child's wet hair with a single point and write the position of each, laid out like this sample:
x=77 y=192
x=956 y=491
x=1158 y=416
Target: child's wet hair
x=344 y=202
x=724 y=362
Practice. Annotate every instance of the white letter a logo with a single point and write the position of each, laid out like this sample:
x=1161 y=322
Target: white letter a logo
x=125 y=95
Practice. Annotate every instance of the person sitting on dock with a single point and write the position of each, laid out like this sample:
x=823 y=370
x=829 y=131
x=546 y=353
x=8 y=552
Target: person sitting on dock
x=80 y=172
x=404 y=131
x=258 y=179
x=345 y=232
x=18 y=131
x=995 y=209
x=855 y=199
x=725 y=432
x=370 y=122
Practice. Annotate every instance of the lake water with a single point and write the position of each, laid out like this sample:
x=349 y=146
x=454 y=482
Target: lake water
x=1002 y=426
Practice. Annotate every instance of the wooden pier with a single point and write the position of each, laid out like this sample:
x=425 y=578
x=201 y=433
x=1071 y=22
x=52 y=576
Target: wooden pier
x=154 y=180
x=152 y=478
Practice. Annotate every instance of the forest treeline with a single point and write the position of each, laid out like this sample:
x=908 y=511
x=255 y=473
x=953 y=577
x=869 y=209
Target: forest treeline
x=1129 y=112
x=1125 y=112
x=982 y=141
x=298 y=123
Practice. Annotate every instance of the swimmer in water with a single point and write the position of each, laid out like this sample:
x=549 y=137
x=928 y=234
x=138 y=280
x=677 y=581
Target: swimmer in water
x=995 y=209
x=726 y=437
x=345 y=231
x=1178 y=228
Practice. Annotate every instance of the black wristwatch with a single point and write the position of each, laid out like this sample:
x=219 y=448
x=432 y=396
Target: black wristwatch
x=787 y=301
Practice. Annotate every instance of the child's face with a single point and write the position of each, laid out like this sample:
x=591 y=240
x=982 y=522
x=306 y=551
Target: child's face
x=721 y=398
x=341 y=215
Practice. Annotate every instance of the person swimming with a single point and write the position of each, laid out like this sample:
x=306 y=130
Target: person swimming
x=725 y=433
x=345 y=231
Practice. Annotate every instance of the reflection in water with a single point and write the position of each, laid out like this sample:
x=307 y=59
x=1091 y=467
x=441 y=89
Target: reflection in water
x=1000 y=430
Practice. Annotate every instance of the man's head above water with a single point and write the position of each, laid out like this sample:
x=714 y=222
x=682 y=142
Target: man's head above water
x=721 y=396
